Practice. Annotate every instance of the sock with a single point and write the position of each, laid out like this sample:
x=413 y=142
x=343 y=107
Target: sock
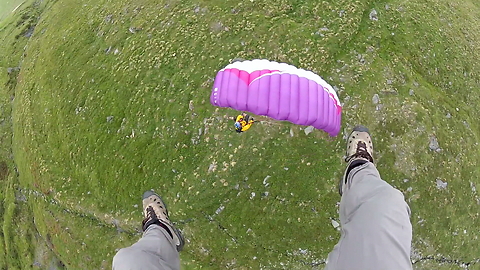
x=354 y=164
x=157 y=222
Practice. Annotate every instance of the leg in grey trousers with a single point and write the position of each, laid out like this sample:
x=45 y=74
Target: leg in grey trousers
x=375 y=220
x=154 y=251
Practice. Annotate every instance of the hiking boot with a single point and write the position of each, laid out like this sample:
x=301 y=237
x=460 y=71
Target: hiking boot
x=359 y=151
x=359 y=145
x=155 y=212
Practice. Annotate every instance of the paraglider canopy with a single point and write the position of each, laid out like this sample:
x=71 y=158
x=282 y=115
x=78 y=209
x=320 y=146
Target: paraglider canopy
x=280 y=91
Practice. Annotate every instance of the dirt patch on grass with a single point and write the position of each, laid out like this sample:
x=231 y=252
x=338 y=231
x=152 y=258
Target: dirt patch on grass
x=3 y=170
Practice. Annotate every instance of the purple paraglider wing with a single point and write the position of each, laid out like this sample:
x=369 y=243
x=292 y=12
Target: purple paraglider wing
x=280 y=91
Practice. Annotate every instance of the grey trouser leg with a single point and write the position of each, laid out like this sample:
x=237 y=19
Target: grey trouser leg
x=376 y=229
x=154 y=251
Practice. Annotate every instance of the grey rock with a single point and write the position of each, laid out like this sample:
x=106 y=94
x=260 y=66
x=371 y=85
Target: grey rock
x=212 y=167
x=346 y=133
x=20 y=197
x=373 y=15
x=472 y=186
x=308 y=130
x=109 y=18
x=433 y=145
x=133 y=30
x=265 y=183
x=441 y=184
x=29 y=32
x=335 y=224
x=219 y=209
x=12 y=69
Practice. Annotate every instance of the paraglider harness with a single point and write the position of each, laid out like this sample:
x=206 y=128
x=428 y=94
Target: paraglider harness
x=243 y=122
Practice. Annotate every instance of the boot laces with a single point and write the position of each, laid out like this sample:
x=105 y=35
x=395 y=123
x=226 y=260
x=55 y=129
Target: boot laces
x=361 y=152
x=151 y=215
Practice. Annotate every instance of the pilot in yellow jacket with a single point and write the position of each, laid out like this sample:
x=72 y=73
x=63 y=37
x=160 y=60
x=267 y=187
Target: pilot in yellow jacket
x=243 y=122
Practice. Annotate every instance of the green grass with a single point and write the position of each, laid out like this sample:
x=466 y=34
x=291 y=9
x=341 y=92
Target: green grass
x=100 y=115
x=9 y=6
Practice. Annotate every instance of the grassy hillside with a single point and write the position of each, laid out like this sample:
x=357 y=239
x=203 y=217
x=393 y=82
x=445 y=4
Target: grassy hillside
x=102 y=100
x=9 y=6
